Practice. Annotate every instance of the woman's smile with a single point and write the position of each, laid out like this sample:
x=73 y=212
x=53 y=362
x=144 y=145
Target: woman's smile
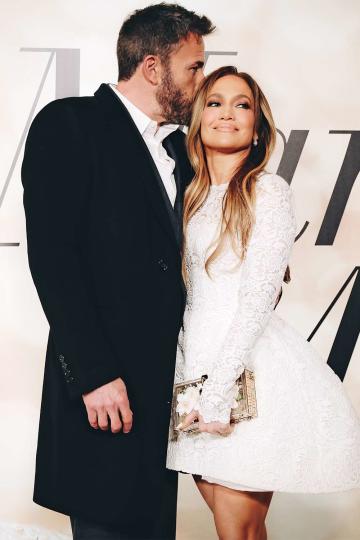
x=226 y=127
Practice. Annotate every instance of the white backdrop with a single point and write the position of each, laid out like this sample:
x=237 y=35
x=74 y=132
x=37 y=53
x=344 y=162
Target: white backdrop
x=305 y=55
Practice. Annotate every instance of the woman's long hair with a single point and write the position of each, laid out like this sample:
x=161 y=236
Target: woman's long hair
x=238 y=204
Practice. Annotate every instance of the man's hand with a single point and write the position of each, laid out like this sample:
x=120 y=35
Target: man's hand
x=216 y=428
x=109 y=401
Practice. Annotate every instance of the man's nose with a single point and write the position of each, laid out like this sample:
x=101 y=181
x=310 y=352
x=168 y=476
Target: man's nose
x=199 y=77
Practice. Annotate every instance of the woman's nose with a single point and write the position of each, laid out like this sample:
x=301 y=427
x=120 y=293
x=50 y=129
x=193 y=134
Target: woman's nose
x=226 y=114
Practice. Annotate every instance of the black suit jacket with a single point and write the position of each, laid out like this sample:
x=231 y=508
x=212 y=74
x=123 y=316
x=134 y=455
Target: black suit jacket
x=104 y=253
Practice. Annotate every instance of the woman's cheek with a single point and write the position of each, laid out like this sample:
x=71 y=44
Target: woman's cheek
x=203 y=132
x=207 y=117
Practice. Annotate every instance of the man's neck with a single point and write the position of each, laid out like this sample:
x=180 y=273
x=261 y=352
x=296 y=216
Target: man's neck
x=142 y=97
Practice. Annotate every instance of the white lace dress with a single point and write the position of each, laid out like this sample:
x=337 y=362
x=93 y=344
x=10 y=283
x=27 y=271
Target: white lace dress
x=306 y=437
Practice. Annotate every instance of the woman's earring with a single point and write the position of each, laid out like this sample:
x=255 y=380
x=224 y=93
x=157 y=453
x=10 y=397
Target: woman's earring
x=255 y=142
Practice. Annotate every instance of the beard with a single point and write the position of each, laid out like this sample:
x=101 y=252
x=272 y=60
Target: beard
x=175 y=105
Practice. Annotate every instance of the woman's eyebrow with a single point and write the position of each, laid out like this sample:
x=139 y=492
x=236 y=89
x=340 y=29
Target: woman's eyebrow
x=215 y=95
x=234 y=98
x=242 y=96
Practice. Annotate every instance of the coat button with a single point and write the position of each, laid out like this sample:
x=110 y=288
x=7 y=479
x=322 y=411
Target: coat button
x=163 y=264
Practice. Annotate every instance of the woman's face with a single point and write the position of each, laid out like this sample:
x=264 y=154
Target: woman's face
x=228 y=120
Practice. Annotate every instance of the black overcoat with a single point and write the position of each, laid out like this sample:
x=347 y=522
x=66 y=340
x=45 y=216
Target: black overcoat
x=104 y=253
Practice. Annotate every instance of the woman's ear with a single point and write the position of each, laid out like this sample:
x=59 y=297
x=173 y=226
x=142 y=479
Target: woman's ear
x=152 y=69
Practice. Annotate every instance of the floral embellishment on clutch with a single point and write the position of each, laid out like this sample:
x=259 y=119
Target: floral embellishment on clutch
x=187 y=394
x=188 y=399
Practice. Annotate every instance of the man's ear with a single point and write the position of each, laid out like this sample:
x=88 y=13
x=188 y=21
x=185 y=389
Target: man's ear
x=152 y=69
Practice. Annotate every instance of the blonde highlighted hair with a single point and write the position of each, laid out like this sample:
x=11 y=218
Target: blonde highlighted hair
x=238 y=204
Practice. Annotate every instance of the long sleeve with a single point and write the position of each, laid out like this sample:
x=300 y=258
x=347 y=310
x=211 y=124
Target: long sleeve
x=180 y=360
x=261 y=278
x=57 y=187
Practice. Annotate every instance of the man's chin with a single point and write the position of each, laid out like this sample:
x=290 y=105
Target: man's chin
x=180 y=120
x=179 y=115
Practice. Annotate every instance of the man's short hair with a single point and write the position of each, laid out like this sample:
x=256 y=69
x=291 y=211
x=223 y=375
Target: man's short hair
x=156 y=29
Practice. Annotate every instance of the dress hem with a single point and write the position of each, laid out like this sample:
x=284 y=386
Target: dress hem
x=275 y=489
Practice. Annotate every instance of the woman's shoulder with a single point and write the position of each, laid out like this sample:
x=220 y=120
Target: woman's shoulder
x=274 y=195
x=273 y=188
x=272 y=183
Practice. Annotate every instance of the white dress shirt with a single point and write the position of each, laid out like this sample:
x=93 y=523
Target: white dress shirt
x=153 y=136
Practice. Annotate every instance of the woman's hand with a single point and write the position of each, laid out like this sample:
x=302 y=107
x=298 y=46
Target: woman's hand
x=216 y=428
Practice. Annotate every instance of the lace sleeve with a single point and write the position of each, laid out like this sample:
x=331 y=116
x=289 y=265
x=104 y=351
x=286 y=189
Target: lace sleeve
x=180 y=361
x=263 y=271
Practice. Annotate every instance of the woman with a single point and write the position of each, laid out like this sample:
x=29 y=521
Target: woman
x=239 y=229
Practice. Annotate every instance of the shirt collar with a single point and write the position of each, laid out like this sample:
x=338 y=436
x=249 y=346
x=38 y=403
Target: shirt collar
x=143 y=122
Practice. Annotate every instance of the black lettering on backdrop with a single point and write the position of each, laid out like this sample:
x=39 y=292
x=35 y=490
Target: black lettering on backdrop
x=349 y=327
x=292 y=151
x=293 y=148
x=349 y=170
x=67 y=83
x=218 y=53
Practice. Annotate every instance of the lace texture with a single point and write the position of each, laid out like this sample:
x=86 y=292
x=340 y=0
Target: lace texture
x=261 y=277
x=180 y=360
x=306 y=437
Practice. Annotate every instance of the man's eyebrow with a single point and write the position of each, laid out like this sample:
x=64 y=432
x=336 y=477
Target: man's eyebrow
x=198 y=63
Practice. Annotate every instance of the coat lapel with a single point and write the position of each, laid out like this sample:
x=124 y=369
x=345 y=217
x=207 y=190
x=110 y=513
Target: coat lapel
x=178 y=205
x=120 y=123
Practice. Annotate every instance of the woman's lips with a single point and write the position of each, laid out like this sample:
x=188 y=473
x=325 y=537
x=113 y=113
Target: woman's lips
x=225 y=127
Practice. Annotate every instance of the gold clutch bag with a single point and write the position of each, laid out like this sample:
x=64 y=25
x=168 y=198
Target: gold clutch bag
x=187 y=393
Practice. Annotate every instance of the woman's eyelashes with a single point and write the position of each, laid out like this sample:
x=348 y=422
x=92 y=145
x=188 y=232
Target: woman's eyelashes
x=242 y=105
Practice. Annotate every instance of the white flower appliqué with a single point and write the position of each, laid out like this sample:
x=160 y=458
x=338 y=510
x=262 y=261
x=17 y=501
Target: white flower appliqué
x=188 y=400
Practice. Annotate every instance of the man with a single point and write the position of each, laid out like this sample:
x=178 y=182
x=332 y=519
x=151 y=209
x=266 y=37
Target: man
x=104 y=178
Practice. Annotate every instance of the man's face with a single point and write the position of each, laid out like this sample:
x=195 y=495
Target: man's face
x=183 y=73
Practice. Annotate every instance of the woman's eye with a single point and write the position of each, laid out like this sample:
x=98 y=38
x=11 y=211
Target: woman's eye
x=218 y=104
